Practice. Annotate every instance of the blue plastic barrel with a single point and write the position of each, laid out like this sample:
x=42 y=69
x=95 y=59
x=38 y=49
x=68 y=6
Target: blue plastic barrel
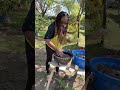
x=77 y=60
x=103 y=81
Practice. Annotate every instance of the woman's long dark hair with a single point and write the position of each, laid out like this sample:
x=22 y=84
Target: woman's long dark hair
x=58 y=24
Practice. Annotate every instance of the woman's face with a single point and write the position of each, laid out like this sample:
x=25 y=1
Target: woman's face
x=64 y=22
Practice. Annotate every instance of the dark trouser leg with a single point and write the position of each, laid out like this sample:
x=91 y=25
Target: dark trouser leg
x=57 y=69
x=49 y=58
x=30 y=53
x=49 y=52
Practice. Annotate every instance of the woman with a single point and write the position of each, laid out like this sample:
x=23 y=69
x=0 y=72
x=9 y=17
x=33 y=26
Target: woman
x=55 y=37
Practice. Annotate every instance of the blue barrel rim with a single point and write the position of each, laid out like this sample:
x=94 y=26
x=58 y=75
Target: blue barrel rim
x=80 y=62
x=82 y=52
x=94 y=69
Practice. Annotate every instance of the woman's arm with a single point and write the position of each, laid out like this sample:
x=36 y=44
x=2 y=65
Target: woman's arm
x=50 y=44
x=30 y=37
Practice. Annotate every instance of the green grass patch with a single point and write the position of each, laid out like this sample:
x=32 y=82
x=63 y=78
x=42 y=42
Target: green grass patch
x=12 y=44
x=63 y=85
x=71 y=46
x=112 y=11
x=11 y=39
x=42 y=33
x=39 y=44
x=111 y=39
x=81 y=39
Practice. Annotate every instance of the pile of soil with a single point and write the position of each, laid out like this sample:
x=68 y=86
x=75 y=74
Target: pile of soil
x=81 y=56
x=64 y=59
x=65 y=56
x=109 y=71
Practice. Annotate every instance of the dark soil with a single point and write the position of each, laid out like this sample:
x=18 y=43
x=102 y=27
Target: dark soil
x=109 y=71
x=13 y=71
x=81 y=56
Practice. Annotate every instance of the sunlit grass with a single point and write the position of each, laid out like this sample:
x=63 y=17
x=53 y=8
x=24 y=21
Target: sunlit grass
x=39 y=44
x=81 y=42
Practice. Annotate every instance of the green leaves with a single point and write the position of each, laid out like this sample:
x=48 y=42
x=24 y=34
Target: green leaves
x=75 y=9
x=68 y=4
x=57 y=9
x=7 y=6
x=42 y=23
x=94 y=14
x=44 y=5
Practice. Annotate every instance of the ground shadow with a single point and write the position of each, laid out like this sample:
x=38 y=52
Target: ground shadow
x=13 y=71
x=97 y=50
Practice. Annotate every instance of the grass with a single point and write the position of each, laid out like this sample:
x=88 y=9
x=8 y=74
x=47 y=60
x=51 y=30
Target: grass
x=39 y=44
x=11 y=44
x=81 y=42
x=42 y=33
x=111 y=40
x=97 y=50
x=112 y=11
x=71 y=46
x=62 y=84
x=113 y=31
x=113 y=25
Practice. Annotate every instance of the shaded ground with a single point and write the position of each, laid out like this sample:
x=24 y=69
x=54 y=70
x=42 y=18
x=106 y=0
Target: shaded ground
x=97 y=50
x=13 y=66
x=13 y=73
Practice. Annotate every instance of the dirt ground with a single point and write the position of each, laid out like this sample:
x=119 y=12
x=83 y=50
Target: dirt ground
x=58 y=83
x=13 y=71
x=13 y=66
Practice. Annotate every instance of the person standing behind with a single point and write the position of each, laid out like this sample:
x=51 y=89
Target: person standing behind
x=28 y=29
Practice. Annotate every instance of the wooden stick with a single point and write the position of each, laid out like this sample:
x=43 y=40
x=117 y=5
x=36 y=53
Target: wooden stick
x=67 y=67
x=69 y=64
x=50 y=79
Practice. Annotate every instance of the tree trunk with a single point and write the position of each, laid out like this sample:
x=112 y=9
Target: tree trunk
x=119 y=7
x=78 y=24
x=78 y=20
x=43 y=13
x=104 y=20
x=104 y=14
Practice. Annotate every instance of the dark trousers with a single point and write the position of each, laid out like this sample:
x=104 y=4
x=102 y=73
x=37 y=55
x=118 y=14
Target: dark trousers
x=50 y=52
x=30 y=53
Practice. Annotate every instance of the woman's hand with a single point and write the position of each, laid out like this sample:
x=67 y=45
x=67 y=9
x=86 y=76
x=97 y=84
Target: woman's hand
x=59 y=53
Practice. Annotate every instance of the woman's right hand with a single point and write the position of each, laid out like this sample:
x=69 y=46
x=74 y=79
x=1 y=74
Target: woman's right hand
x=59 y=53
